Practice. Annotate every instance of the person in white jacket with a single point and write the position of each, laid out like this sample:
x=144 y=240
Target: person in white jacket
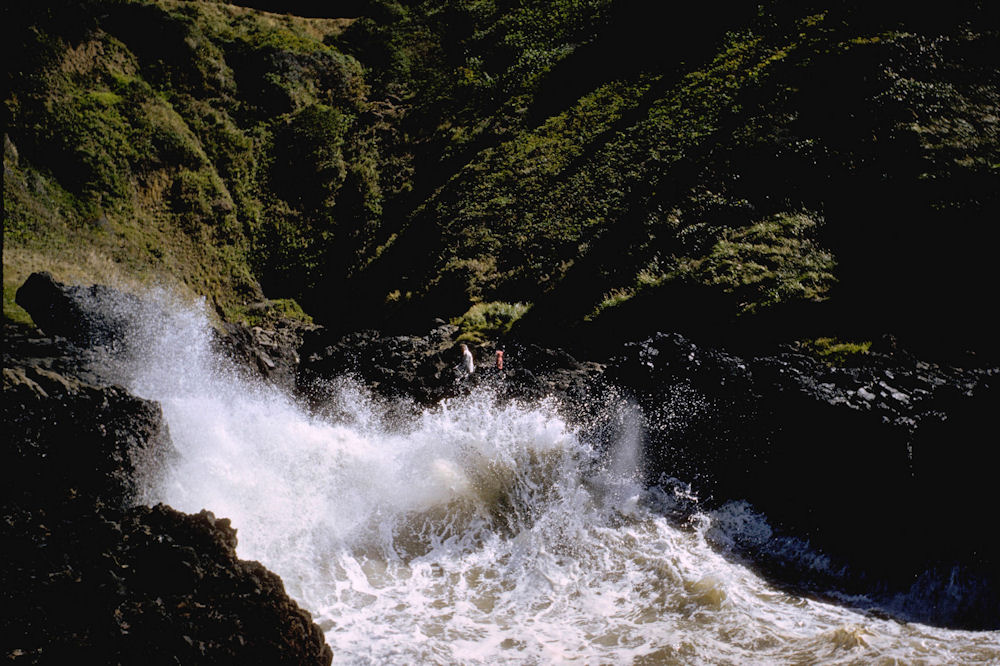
x=470 y=365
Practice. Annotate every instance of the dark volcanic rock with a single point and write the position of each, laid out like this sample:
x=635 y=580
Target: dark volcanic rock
x=429 y=368
x=864 y=461
x=67 y=437
x=88 y=576
x=98 y=317
x=270 y=353
x=73 y=312
x=859 y=460
x=883 y=465
x=424 y=368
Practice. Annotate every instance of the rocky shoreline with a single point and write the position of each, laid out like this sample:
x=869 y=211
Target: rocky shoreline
x=87 y=575
x=860 y=461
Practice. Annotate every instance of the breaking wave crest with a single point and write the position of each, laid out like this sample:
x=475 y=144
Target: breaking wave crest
x=479 y=531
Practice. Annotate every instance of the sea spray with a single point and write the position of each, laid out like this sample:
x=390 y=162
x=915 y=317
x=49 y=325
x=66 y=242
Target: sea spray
x=477 y=531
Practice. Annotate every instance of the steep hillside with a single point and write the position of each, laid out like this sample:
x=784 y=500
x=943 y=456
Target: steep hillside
x=199 y=144
x=625 y=173
x=744 y=172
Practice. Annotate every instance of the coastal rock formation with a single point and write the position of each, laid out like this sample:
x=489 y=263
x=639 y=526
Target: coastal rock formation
x=87 y=575
x=860 y=460
x=270 y=353
x=422 y=367
x=428 y=368
x=855 y=459
x=76 y=313
x=99 y=316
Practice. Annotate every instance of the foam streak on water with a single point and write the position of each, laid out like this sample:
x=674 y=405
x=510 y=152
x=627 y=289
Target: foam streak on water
x=477 y=532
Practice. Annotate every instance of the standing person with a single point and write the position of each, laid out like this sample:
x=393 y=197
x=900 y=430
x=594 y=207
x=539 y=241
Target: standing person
x=467 y=359
x=499 y=359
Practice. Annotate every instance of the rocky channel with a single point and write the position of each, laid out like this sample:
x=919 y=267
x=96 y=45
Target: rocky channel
x=857 y=460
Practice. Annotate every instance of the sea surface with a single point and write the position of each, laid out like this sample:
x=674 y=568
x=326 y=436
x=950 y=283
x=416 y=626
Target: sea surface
x=480 y=532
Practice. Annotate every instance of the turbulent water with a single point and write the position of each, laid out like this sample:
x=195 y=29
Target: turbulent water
x=478 y=532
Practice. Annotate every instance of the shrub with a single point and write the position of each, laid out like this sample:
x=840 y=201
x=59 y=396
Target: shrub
x=488 y=320
x=834 y=351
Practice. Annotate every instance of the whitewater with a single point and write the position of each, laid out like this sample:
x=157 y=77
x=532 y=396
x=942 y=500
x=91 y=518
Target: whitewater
x=476 y=531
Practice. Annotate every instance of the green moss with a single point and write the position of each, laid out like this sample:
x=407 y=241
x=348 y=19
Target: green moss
x=13 y=312
x=488 y=320
x=104 y=97
x=269 y=312
x=289 y=308
x=834 y=351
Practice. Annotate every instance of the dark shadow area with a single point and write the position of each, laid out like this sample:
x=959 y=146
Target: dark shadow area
x=872 y=477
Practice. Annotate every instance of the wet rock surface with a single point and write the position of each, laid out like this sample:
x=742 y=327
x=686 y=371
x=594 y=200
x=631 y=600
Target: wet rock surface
x=271 y=353
x=75 y=312
x=97 y=316
x=89 y=576
x=864 y=461
x=428 y=368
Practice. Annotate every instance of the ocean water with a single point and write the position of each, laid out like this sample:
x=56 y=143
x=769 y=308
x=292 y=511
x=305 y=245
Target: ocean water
x=478 y=531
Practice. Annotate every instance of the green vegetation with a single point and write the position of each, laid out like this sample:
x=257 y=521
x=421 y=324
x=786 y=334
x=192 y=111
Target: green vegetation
x=488 y=321
x=141 y=148
x=767 y=263
x=769 y=160
x=270 y=312
x=836 y=352
x=580 y=157
x=11 y=310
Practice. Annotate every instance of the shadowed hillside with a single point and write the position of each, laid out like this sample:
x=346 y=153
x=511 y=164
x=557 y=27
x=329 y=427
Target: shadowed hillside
x=744 y=172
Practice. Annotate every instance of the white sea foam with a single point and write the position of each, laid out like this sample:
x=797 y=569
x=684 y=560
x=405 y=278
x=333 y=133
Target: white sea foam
x=479 y=532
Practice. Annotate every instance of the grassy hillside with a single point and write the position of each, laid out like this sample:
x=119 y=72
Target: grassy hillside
x=794 y=171
x=195 y=144
x=743 y=171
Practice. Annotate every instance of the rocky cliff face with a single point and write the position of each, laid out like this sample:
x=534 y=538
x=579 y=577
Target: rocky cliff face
x=87 y=574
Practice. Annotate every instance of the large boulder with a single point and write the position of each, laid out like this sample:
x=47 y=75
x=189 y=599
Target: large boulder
x=268 y=352
x=102 y=317
x=76 y=312
x=88 y=575
x=67 y=437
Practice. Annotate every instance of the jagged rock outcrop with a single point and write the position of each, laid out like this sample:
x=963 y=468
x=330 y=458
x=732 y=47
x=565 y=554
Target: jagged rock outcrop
x=425 y=368
x=73 y=312
x=270 y=353
x=99 y=316
x=87 y=575
x=429 y=368
x=862 y=460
